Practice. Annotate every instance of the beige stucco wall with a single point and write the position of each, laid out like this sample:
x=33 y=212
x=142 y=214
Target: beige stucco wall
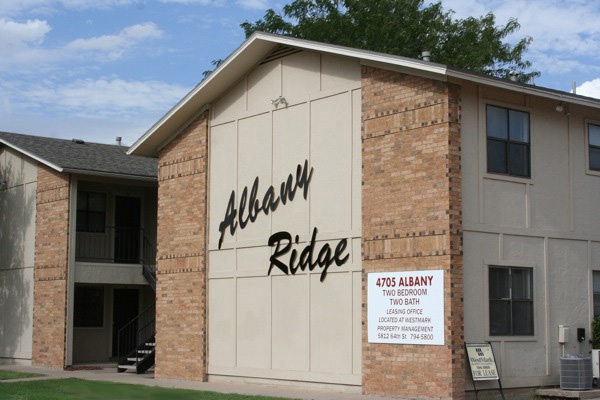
x=17 y=241
x=277 y=326
x=549 y=223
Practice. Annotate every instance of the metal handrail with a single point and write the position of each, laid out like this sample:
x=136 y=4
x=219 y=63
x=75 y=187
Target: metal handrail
x=136 y=333
x=109 y=244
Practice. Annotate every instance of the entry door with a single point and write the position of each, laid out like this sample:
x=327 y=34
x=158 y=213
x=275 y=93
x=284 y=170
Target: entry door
x=127 y=229
x=125 y=309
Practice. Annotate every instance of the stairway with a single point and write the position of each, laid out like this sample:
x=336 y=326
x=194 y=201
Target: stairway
x=136 y=347
x=139 y=360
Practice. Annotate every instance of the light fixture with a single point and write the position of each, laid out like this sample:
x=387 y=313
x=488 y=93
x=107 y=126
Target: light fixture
x=278 y=101
x=560 y=107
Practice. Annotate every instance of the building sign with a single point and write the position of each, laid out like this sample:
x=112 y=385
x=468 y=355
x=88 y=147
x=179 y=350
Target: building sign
x=406 y=307
x=285 y=258
x=482 y=362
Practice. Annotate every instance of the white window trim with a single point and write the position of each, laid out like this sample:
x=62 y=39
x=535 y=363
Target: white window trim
x=586 y=138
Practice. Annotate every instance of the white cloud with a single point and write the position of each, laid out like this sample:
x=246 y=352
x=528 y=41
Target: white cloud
x=113 y=46
x=590 y=88
x=566 y=35
x=217 y=3
x=21 y=49
x=13 y=33
x=101 y=97
x=253 y=4
x=15 y=7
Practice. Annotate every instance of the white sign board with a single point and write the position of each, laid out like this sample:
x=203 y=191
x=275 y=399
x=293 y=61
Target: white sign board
x=406 y=307
x=482 y=362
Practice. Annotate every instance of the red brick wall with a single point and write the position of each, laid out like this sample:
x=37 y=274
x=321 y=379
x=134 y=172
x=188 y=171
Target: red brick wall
x=411 y=220
x=181 y=267
x=50 y=272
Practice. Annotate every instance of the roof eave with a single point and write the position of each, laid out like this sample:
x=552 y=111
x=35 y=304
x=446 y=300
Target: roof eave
x=32 y=155
x=523 y=88
x=250 y=53
x=253 y=50
x=110 y=174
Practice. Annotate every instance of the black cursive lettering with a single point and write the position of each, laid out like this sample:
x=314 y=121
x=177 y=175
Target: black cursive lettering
x=250 y=206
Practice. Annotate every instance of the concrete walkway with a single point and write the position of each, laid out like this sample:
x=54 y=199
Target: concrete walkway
x=109 y=373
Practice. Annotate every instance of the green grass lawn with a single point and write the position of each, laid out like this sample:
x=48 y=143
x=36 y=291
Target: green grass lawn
x=71 y=389
x=16 y=375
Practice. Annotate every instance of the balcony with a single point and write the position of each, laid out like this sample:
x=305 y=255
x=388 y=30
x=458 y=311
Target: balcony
x=124 y=248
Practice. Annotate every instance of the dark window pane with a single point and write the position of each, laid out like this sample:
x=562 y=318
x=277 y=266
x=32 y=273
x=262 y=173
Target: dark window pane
x=497 y=122
x=496 y=156
x=518 y=126
x=522 y=313
x=500 y=317
x=96 y=221
x=594 y=135
x=81 y=220
x=596 y=276
x=91 y=211
x=82 y=200
x=97 y=202
x=499 y=283
x=511 y=301
x=521 y=284
x=594 y=155
x=89 y=307
x=518 y=159
x=596 y=279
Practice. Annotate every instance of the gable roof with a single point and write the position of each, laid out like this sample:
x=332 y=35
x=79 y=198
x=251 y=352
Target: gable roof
x=71 y=156
x=260 y=45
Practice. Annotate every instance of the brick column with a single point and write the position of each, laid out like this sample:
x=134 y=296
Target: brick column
x=50 y=268
x=181 y=263
x=411 y=200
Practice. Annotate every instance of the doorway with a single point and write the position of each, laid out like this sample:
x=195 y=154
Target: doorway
x=125 y=309
x=128 y=234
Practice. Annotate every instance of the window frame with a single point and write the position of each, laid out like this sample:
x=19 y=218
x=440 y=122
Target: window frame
x=586 y=134
x=85 y=323
x=487 y=139
x=531 y=300
x=86 y=228
x=595 y=293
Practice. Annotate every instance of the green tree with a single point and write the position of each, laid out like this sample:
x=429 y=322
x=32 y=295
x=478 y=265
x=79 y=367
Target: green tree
x=405 y=28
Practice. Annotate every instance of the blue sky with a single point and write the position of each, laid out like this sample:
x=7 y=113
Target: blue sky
x=97 y=69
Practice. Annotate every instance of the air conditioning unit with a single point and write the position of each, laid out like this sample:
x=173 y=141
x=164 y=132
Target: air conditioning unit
x=595 y=367
x=575 y=372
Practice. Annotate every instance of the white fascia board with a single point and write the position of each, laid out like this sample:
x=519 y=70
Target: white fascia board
x=364 y=55
x=85 y=172
x=33 y=156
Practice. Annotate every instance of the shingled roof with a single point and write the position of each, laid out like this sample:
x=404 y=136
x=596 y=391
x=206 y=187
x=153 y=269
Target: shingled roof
x=77 y=156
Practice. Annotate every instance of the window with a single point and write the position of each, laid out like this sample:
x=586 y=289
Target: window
x=89 y=307
x=91 y=212
x=511 y=301
x=594 y=146
x=596 y=293
x=507 y=134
